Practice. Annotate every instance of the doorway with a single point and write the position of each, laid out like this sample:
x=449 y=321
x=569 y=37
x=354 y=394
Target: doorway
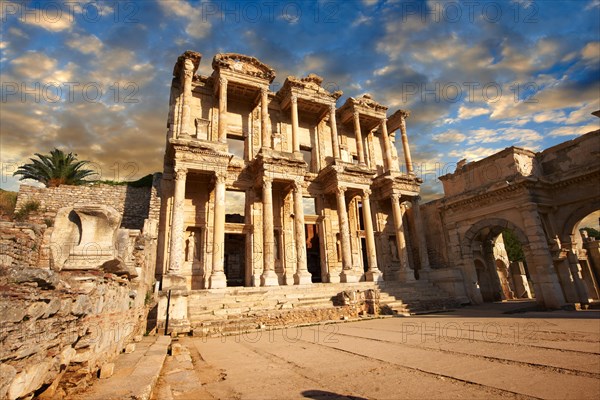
x=313 y=252
x=235 y=258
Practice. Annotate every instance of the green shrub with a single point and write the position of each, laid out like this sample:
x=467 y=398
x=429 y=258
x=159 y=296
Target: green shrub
x=29 y=207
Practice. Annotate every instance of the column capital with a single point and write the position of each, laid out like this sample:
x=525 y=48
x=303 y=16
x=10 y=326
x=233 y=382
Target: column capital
x=395 y=196
x=332 y=108
x=264 y=90
x=341 y=189
x=267 y=182
x=384 y=122
x=221 y=176
x=294 y=98
x=222 y=80
x=356 y=114
x=180 y=173
x=366 y=193
x=297 y=185
x=404 y=114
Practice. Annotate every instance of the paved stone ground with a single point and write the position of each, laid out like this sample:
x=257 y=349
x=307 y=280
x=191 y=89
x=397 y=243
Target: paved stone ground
x=476 y=353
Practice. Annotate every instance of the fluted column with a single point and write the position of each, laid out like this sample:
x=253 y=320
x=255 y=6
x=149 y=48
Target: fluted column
x=268 y=277
x=373 y=272
x=223 y=110
x=302 y=276
x=295 y=134
x=420 y=231
x=217 y=277
x=387 y=147
x=335 y=144
x=405 y=273
x=176 y=245
x=188 y=72
x=359 y=143
x=406 y=149
x=264 y=120
x=347 y=274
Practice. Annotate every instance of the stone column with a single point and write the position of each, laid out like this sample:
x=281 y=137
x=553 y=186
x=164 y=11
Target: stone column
x=302 y=276
x=335 y=144
x=186 y=97
x=268 y=277
x=373 y=272
x=176 y=247
x=295 y=134
x=578 y=282
x=540 y=263
x=358 y=136
x=264 y=117
x=217 y=277
x=405 y=273
x=223 y=110
x=387 y=146
x=407 y=157
x=346 y=275
x=420 y=231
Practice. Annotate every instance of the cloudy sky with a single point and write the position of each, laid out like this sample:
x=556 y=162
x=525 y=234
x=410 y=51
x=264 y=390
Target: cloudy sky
x=93 y=77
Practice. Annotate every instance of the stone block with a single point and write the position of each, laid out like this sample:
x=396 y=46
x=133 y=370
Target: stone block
x=130 y=348
x=107 y=370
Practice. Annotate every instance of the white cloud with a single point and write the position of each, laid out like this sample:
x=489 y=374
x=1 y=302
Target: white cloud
x=362 y=19
x=591 y=51
x=574 y=130
x=85 y=44
x=593 y=4
x=48 y=19
x=473 y=153
x=555 y=116
x=451 y=136
x=467 y=113
x=197 y=26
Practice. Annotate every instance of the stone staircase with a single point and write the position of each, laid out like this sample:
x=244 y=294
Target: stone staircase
x=243 y=309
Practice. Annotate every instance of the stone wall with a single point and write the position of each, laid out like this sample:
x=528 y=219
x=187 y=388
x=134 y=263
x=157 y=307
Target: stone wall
x=135 y=204
x=58 y=328
x=20 y=244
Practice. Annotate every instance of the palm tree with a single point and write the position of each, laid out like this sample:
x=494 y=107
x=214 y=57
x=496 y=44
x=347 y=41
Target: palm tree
x=55 y=170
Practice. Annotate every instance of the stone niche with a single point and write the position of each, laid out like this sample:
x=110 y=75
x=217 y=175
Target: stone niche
x=84 y=238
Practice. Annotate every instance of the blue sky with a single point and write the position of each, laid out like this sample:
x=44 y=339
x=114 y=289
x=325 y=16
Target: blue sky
x=93 y=77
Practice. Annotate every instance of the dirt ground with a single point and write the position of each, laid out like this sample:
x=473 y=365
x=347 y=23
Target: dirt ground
x=476 y=353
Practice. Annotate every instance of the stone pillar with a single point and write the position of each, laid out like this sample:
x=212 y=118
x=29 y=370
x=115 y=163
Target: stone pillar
x=295 y=134
x=268 y=277
x=405 y=273
x=186 y=97
x=420 y=231
x=302 y=276
x=373 y=273
x=580 y=288
x=546 y=284
x=359 y=142
x=264 y=117
x=406 y=149
x=223 y=110
x=176 y=247
x=335 y=144
x=387 y=147
x=347 y=273
x=217 y=277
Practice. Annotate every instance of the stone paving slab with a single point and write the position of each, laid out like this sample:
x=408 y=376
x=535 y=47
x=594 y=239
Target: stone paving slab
x=473 y=353
x=135 y=374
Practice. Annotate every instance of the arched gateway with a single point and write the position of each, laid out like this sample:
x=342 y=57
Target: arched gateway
x=540 y=198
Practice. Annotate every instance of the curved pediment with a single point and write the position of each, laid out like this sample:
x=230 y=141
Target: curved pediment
x=243 y=64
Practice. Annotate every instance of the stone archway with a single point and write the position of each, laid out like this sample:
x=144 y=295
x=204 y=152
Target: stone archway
x=490 y=288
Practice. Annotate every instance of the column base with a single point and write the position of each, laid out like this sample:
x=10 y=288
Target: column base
x=269 y=278
x=218 y=280
x=406 y=275
x=302 y=278
x=349 y=277
x=374 y=276
x=333 y=278
x=173 y=282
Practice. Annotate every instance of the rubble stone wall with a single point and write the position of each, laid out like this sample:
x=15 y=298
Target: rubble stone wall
x=57 y=329
x=20 y=244
x=134 y=203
